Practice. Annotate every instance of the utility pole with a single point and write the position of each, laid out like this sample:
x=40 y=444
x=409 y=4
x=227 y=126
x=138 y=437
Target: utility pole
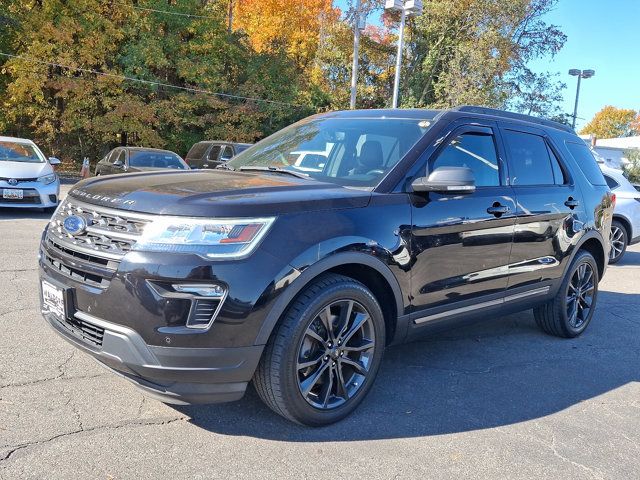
x=356 y=47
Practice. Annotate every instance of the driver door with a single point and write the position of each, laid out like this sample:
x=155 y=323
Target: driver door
x=461 y=243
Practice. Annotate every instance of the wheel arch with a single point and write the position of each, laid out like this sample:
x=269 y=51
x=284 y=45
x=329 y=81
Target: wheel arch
x=593 y=243
x=368 y=270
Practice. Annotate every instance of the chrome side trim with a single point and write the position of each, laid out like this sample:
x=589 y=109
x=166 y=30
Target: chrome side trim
x=479 y=306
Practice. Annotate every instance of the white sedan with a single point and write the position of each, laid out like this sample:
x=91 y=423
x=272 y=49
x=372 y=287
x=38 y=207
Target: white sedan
x=27 y=179
x=625 y=227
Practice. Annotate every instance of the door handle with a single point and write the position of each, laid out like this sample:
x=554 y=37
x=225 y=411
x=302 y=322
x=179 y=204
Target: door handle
x=497 y=209
x=572 y=203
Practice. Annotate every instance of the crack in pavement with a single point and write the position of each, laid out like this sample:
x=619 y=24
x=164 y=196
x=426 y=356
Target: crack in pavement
x=15 y=448
x=61 y=370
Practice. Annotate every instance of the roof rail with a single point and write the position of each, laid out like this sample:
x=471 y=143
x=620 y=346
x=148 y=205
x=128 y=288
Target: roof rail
x=515 y=116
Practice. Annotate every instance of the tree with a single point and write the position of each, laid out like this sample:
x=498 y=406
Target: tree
x=472 y=51
x=537 y=94
x=632 y=170
x=612 y=122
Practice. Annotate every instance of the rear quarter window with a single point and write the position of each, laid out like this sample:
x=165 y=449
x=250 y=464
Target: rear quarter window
x=198 y=150
x=586 y=162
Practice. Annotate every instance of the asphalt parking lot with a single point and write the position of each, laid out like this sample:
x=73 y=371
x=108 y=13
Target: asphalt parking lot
x=496 y=400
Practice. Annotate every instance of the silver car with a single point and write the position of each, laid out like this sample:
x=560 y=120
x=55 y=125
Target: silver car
x=27 y=179
x=625 y=227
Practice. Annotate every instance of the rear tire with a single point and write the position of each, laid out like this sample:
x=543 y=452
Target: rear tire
x=571 y=310
x=619 y=239
x=322 y=358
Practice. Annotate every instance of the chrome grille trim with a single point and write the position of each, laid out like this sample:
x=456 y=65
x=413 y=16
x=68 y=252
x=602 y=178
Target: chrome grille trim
x=110 y=233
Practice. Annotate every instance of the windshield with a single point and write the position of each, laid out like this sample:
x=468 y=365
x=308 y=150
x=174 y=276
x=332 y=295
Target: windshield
x=19 y=152
x=354 y=152
x=155 y=160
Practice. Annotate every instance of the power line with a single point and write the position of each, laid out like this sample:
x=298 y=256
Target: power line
x=149 y=82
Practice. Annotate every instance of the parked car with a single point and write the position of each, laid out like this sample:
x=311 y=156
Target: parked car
x=27 y=178
x=139 y=159
x=210 y=154
x=625 y=227
x=192 y=285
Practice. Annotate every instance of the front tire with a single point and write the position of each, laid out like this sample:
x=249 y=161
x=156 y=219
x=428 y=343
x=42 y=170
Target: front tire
x=619 y=239
x=571 y=310
x=322 y=359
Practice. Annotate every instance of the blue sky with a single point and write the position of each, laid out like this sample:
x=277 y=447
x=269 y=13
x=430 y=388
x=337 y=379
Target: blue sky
x=604 y=36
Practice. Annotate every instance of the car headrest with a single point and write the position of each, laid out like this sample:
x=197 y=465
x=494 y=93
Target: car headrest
x=371 y=154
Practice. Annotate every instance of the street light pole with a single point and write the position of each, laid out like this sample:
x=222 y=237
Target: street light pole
x=356 y=47
x=575 y=72
x=396 y=81
x=575 y=107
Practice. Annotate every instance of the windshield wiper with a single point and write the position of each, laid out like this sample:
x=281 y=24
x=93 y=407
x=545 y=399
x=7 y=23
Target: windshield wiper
x=273 y=170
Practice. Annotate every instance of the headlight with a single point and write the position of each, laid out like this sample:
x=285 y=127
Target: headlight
x=222 y=238
x=47 y=179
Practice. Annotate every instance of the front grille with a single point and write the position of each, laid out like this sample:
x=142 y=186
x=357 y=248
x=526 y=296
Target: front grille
x=109 y=234
x=92 y=256
x=30 y=196
x=20 y=180
x=84 y=330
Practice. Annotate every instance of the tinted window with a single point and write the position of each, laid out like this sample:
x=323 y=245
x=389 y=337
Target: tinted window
x=611 y=182
x=121 y=157
x=528 y=158
x=214 y=152
x=586 y=162
x=476 y=151
x=155 y=160
x=198 y=150
x=558 y=174
x=359 y=151
x=241 y=148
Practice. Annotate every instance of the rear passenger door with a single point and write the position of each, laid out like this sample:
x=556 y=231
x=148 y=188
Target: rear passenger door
x=548 y=204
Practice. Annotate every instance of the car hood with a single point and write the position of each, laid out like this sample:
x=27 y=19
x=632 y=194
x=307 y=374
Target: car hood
x=24 y=169
x=217 y=193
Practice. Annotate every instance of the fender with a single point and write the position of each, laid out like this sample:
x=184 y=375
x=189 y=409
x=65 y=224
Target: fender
x=318 y=268
x=587 y=236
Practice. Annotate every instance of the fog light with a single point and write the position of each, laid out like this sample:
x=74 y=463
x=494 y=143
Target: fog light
x=201 y=289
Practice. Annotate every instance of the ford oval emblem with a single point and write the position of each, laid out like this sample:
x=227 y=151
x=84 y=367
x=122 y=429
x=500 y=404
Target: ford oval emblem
x=74 y=225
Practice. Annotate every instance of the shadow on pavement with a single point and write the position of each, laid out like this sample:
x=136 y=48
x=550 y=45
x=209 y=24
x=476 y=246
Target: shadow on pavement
x=629 y=258
x=25 y=213
x=500 y=372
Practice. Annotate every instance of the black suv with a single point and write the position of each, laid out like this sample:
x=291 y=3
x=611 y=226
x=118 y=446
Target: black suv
x=192 y=284
x=209 y=154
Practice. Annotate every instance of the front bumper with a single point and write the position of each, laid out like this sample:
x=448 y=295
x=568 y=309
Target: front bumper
x=36 y=195
x=175 y=375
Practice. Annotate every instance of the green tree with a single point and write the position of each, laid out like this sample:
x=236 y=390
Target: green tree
x=612 y=122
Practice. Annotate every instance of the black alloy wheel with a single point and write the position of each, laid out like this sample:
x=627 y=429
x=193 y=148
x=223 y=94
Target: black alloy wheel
x=580 y=295
x=335 y=354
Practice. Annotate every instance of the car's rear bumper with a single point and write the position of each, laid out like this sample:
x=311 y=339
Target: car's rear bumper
x=171 y=374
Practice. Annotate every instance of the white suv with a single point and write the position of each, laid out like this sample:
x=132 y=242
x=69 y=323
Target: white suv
x=625 y=228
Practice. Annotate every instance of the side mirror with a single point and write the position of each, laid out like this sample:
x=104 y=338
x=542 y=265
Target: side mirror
x=54 y=161
x=118 y=163
x=225 y=159
x=452 y=180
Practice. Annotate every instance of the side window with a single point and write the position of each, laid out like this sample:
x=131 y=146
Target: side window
x=227 y=153
x=122 y=156
x=529 y=159
x=611 y=182
x=214 y=153
x=558 y=174
x=476 y=151
x=586 y=162
x=112 y=155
